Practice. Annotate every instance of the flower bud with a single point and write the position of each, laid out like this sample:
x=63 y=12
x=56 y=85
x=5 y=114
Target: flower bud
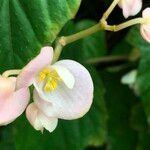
x=145 y=28
x=130 y=7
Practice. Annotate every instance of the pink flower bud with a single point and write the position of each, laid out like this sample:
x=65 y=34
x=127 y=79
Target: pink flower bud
x=145 y=28
x=12 y=102
x=130 y=7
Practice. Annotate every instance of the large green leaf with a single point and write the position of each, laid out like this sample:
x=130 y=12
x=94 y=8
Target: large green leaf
x=138 y=118
x=120 y=100
x=139 y=122
x=26 y=25
x=136 y=40
x=144 y=141
x=69 y=135
x=6 y=140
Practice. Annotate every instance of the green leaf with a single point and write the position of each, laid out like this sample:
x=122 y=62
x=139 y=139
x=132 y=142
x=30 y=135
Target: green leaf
x=122 y=48
x=139 y=122
x=90 y=47
x=69 y=135
x=26 y=25
x=144 y=141
x=136 y=40
x=6 y=140
x=138 y=118
x=120 y=100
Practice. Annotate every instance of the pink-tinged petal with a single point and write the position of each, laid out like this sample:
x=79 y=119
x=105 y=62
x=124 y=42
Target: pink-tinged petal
x=13 y=106
x=7 y=86
x=31 y=114
x=145 y=32
x=146 y=13
x=40 y=121
x=145 y=28
x=28 y=73
x=136 y=7
x=68 y=103
x=130 y=7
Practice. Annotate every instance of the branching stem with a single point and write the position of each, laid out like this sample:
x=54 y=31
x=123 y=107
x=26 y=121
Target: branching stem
x=10 y=73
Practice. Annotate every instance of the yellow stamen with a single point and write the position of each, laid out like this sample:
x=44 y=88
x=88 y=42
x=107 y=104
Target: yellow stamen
x=46 y=71
x=51 y=77
x=42 y=76
x=48 y=87
x=54 y=84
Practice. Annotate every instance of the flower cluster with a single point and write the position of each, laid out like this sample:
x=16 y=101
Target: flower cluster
x=133 y=7
x=61 y=90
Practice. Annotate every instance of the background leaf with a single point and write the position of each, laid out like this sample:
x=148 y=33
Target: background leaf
x=6 y=138
x=119 y=101
x=136 y=40
x=27 y=25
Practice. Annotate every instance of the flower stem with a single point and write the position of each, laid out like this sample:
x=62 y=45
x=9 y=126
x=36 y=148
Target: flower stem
x=126 y=24
x=107 y=59
x=102 y=25
x=64 y=40
x=110 y=9
x=11 y=72
x=72 y=38
x=58 y=50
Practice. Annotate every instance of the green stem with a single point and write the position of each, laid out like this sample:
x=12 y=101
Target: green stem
x=126 y=24
x=119 y=67
x=102 y=25
x=110 y=9
x=11 y=72
x=72 y=38
x=107 y=59
x=58 y=50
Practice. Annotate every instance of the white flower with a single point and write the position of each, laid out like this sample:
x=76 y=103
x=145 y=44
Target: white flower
x=62 y=90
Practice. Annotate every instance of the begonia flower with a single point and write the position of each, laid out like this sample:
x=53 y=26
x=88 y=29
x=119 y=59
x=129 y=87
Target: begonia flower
x=130 y=7
x=62 y=90
x=145 y=28
x=12 y=101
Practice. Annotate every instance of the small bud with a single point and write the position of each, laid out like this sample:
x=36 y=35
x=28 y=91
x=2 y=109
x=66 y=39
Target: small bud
x=145 y=28
x=130 y=7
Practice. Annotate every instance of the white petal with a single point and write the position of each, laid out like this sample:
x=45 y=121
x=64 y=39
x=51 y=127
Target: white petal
x=129 y=78
x=48 y=123
x=68 y=103
x=31 y=114
x=40 y=121
x=65 y=75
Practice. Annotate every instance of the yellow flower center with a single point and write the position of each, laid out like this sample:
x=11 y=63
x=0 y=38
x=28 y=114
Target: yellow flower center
x=51 y=77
